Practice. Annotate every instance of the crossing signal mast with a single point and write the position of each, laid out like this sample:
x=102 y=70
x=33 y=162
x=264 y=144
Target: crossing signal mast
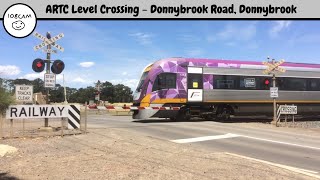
x=38 y=65
x=273 y=67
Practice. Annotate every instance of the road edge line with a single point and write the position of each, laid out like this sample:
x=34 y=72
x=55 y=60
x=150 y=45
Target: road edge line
x=290 y=168
x=205 y=138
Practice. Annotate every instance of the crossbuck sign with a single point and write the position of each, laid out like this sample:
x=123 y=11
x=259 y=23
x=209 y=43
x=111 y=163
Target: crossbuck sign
x=273 y=67
x=47 y=42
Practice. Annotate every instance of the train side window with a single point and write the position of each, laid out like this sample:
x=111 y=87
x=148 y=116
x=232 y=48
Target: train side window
x=314 y=85
x=295 y=84
x=165 y=81
x=226 y=82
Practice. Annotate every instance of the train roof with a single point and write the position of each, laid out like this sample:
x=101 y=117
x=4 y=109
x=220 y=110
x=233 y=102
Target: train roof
x=239 y=62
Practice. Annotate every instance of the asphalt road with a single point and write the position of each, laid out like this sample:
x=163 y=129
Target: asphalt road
x=294 y=147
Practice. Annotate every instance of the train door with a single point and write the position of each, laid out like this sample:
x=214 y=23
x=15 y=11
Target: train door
x=195 y=84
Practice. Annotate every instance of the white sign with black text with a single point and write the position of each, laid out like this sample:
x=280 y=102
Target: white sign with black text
x=288 y=109
x=49 y=80
x=274 y=92
x=47 y=41
x=36 y=111
x=24 y=93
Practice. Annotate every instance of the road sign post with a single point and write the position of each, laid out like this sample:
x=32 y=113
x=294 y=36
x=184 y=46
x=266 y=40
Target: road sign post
x=48 y=42
x=272 y=68
x=46 y=120
x=287 y=110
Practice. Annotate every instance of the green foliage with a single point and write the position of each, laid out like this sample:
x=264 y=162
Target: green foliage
x=5 y=100
x=82 y=95
x=108 y=92
x=38 y=86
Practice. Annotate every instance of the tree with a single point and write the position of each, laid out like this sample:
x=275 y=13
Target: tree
x=71 y=94
x=38 y=86
x=5 y=99
x=83 y=95
x=122 y=93
x=107 y=92
x=57 y=94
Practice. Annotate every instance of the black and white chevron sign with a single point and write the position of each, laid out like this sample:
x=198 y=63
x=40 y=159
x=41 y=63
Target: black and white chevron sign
x=73 y=116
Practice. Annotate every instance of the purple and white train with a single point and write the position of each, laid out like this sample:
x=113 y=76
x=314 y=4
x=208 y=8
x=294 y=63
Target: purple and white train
x=219 y=88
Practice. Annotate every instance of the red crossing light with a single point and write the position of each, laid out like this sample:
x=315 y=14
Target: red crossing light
x=38 y=65
x=266 y=82
x=57 y=66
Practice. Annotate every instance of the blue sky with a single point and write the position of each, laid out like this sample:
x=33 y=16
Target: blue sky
x=117 y=51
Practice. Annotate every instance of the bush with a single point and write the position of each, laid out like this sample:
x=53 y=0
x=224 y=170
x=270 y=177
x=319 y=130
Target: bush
x=5 y=100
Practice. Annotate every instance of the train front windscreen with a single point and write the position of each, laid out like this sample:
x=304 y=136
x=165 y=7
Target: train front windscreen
x=137 y=92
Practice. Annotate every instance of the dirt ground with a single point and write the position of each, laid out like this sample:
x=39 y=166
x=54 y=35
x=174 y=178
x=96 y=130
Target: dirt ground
x=119 y=154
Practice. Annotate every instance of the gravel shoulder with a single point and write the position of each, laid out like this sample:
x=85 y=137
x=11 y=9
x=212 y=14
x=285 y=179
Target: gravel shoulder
x=119 y=154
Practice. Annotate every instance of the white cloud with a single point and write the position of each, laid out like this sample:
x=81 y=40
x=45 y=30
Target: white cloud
x=132 y=83
x=238 y=32
x=235 y=34
x=188 y=38
x=278 y=26
x=79 y=80
x=32 y=76
x=124 y=73
x=9 y=70
x=211 y=38
x=86 y=64
x=306 y=38
x=142 y=38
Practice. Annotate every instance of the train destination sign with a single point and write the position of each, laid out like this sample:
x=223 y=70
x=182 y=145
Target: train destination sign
x=24 y=93
x=249 y=82
x=36 y=111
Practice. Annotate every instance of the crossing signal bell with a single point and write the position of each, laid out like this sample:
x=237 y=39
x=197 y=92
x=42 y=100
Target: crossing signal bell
x=38 y=65
x=57 y=66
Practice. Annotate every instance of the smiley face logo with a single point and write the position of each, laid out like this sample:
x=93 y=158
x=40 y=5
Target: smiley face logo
x=18 y=25
x=19 y=20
